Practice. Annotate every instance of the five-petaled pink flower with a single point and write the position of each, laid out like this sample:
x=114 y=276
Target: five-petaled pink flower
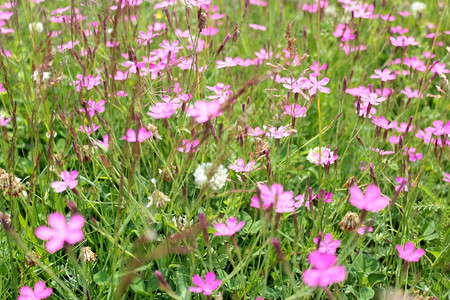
x=241 y=167
x=324 y=271
x=206 y=287
x=318 y=85
x=274 y=195
x=383 y=75
x=327 y=245
x=39 y=292
x=141 y=135
x=162 y=110
x=60 y=231
x=409 y=253
x=371 y=201
x=93 y=107
x=230 y=228
x=204 y=111
x=69 y=181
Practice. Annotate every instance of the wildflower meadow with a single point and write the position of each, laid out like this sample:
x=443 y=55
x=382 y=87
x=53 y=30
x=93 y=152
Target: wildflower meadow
x=224 y=149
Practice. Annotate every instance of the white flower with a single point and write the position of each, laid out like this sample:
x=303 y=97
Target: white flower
x=330 y=11
x=217 y=180
x=38 y=27
x=418 y=6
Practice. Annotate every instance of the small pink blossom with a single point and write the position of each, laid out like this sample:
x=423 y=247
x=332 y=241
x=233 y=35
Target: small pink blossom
x=280 y=132
x=69 y=181
x=102 y=144
x=3 y=121
x=230 y=228
x=446 y=177
x=257 y=27
x=40 y=291
x=87 y=129
x=255 y=132
x=270 y=196
x=241 y=167
x=2 y=89
x=132 y=137
x=61 y=232
x=295 y=110
x=209 y=31
x=384 y=75
x=162 y=110
x=409 y=252
x=327 y=245
x=316 y=68
x=413 y=155
x=363 y=229
x=87 y=82
x=206 y=287
x=93 y=107
x=189 y=146
x=204 y=111
x=382 y=152
x=372 y=200
x=327 y=197
x=403 y=41
x=410 y=93
x=324 y=271
x=318 y=85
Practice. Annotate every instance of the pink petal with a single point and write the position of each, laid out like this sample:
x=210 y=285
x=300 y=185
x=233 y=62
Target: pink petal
x=311 y=277
x=59 y=186
x=321 y=260
x=197 y=280
x=54 y=245
x=26 y=291
x=44 y=233
x=57 y=221
x=76 y=222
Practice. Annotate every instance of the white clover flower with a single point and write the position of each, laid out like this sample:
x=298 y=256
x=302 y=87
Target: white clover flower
x=418 y=6
x=217 y=180
x=37 y=27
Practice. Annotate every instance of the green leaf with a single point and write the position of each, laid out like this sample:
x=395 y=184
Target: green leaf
x=366 y=293
x=138 y=286
x=376 y=278
x=101 y=277
x=365 y=264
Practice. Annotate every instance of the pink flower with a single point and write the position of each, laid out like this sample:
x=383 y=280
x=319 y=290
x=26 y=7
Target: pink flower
x=141 y=135
x=255 y=132
x=411 y=152
x=2 y=89
x=39 y=292
x=410 y=93
x=104 y=144
x=316 y=68
x=408 y=253
x=60 y=231
x=4 y=121
x=372 y=201
x=318 y=85
x=269 y=196
x=363 y=229
x=206 y=287
x=162 y=110
x=257 y=27
x=87 y=129
x=94 y=107
x=230 y=228
x=439 y=128
x=240 y=166
x=227 y=63
x=69 y=181
x=204 y=111
x=327 y=197
x=189 y=146
x=324 y=271
x=209 y=31
x=295 y=110
x=384 y=75
x=327 y=245
x=280 y=132
x=403 y=41
x=446 y=177
x=296 y=85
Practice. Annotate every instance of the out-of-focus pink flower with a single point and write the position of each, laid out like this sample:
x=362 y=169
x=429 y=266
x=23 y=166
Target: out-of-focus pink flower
x=327 y=245
x=69 y=181
x=40 y=291
x=241 y=167
x=324 y=271
x=372 y=200
x=132 y=137
x=206 y=287
x=410 y=93
x=270 y=196
x=189 y=146
x=257 y=27
x=446 y=177
x=412 y=154
x=363 y=229
x=384 y=75
x=316 y=68
x=204 y=111
x=87 y=129
x=162 y=110
x=403 y=41
x=230 y=228
x=3 y=121
x=61 y=232
x=209 y=31
x=409 y=253
x=280 y=132
x=295 y=110
x=93 y=107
